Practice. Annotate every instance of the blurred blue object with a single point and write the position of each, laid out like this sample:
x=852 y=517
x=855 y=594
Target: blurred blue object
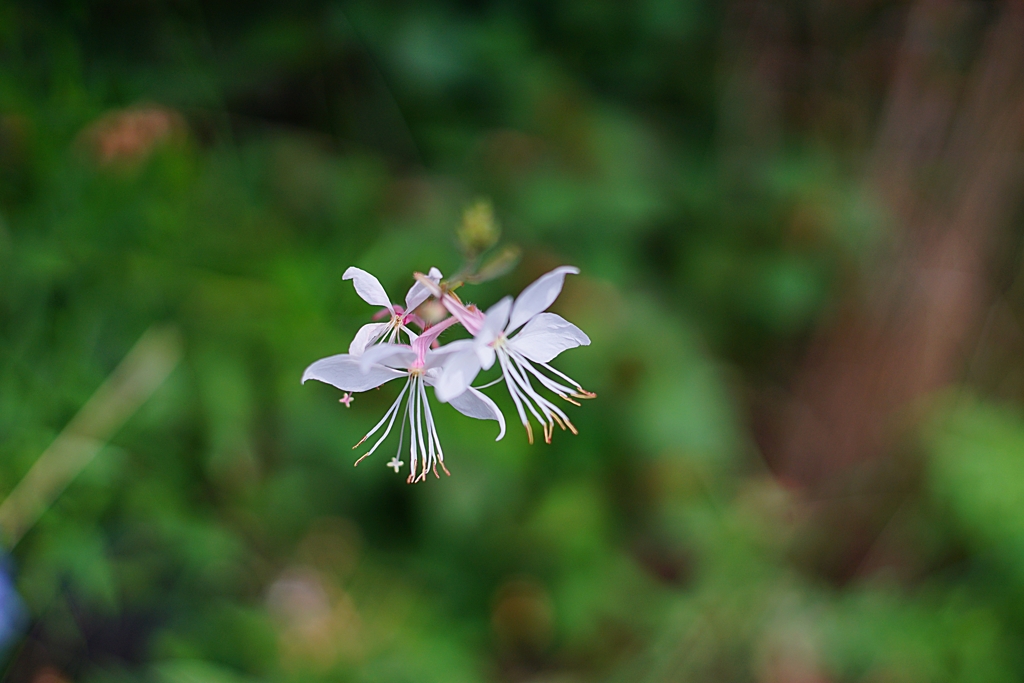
x=12 y=611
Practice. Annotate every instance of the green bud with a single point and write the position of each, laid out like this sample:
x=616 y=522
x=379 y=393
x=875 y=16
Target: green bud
x=479 y=230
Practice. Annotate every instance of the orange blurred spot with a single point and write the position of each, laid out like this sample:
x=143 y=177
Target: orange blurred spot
x=318 y=624
x=49 y=675
x=128 y=136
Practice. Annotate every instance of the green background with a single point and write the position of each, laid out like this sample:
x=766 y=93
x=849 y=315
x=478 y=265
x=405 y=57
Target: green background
x=223 y=535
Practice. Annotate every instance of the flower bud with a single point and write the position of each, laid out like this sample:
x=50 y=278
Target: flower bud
x=479 y=230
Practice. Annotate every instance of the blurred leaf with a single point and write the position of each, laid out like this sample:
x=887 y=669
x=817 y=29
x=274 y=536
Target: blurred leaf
x=195 y=671
x=977 y=470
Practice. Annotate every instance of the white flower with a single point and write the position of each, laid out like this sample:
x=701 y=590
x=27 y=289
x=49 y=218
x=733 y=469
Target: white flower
x=418 y=364
x=370 y=290
x=523 y=338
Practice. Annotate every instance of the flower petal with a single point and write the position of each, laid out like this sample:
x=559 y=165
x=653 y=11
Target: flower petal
x=485 y=354
x=398 y=356
x=458 y=372
x=368 y=288
x=546 y=336
x=495 y=319
x=419 y=292
x=344 y=371
x=435 y=358
x=366 y=335
x=538 y=296
x=473 y=403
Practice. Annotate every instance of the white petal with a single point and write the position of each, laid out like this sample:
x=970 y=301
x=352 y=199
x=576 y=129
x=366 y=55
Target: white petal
x=495 y=319
x=473 y=403
x=368 y=287
x=366 y=335
x=389 y=355
x=434 y=358
x=546 y=336
x=538 y=296
x=456 y=376
x=485 y=354
x=419 y=293
x=343 y=371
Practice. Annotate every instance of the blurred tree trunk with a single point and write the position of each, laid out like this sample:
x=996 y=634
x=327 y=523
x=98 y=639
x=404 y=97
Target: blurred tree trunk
x=946 y=168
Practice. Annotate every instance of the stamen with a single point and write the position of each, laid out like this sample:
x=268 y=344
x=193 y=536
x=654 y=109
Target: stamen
x=514 y=394
x=528 y=392
x=554 y=386
x=432 y=437
x=401 y=432
x=394 y=407
x=431 y=449
x=582 y=393
x=419 y=424
x=413 y=455
x=543 y=404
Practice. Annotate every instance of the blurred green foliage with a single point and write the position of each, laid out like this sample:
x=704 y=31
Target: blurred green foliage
x=218 y=167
